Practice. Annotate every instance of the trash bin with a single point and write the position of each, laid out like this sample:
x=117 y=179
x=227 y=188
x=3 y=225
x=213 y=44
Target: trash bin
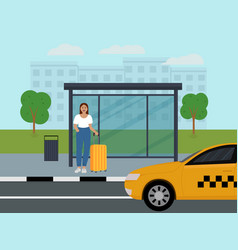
x=51 y=151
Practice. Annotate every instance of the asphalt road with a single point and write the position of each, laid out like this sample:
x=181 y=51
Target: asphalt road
x=90 y=197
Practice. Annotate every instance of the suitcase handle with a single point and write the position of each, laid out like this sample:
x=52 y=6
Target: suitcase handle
x=94 y=138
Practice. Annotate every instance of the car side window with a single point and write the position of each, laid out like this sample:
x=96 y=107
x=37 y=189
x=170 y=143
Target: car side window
x=220 y=155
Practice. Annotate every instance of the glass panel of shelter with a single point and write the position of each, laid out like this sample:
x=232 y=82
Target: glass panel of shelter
x=123 y=123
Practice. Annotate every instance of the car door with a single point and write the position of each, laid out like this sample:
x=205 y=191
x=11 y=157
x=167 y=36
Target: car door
x=211 y=174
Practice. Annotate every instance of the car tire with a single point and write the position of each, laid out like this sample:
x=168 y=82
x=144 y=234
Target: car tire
x=159 y=195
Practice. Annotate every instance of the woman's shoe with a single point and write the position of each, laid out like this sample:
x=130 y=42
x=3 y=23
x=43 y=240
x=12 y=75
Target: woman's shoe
x=77 y=170
x=84 y=171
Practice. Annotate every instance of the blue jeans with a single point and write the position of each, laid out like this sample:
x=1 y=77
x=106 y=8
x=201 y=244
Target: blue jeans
x=83 y=136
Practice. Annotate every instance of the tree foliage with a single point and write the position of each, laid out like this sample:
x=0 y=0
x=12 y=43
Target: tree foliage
x=195 y=107
x=35 y=107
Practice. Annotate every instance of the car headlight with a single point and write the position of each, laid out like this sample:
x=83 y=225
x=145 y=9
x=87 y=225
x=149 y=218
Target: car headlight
x=132 y=177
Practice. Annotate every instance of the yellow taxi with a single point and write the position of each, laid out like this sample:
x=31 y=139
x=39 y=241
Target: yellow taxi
x=210 y=174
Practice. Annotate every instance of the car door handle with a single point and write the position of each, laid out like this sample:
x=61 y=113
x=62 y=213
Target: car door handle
x=227 y=171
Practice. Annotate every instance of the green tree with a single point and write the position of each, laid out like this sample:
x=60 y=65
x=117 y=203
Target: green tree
x=35 y=107
x=195 y=107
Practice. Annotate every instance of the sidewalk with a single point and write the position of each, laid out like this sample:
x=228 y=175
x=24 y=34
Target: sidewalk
x=30 y=165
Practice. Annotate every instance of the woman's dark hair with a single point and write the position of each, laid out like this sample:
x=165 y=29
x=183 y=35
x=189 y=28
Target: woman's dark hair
x=80 y=112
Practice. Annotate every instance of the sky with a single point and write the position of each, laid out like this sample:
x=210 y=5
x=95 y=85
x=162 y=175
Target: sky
x=30 y=29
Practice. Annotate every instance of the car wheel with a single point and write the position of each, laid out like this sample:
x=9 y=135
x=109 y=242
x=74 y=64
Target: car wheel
x=159 y=195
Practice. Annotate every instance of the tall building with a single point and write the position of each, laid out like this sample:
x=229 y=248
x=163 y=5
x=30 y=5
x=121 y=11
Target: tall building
x=107 y=74
x=50 y=78
x=140 y=70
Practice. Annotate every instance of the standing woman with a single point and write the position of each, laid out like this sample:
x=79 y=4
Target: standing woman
x=83 y=124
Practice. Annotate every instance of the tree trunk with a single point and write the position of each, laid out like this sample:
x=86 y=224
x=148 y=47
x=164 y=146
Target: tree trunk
x=34 y=125
x=193 y=125
x=34 y=119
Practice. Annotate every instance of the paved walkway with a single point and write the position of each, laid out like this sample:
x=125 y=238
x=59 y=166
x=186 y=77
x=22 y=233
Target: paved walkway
x=34 y=165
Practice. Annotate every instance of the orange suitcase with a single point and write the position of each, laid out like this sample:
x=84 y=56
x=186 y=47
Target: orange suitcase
x=98 y=156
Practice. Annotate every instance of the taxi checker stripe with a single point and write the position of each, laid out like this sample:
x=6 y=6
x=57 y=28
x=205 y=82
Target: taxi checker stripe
x=212 y=184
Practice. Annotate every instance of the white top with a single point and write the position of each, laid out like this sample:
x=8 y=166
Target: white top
x=83 y=122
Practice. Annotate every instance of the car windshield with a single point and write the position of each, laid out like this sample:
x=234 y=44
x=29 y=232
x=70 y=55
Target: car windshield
x=189 y=156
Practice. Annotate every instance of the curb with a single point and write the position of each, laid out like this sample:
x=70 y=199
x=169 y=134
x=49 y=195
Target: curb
x=63 y=179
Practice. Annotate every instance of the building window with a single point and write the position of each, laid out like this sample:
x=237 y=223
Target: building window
x=48 y=84
x=94 y=78
x=60 y=118
x=106 y=78
x=189 y=87
x=36 y=84
x=141 y=69
x=72 y=72
x=119 y=78
x=189 y=77
x=165 y=79
x=153 y=80
x=128 y=69
x=177 y=77
x=48 y=72
x=60 y=84
x=141 y=79
x=50 y=118
x=60 y=95
x=60 y=72
x=82 y=78
x=36 y=72
x=201 y=87
x=201 y=77
x=165 y=69
x=153 y=69
x=128 y=79
x=60 y=106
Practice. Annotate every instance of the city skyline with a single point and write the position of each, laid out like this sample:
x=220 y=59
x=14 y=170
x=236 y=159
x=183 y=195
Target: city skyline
x=50 y=76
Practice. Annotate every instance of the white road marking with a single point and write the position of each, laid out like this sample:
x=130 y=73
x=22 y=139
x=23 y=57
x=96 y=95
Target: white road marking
x=65 y=179
x=12 y=179
x=116 y=179
x=64 y=197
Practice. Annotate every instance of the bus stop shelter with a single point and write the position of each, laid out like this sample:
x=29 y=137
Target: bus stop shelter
x=134 y=120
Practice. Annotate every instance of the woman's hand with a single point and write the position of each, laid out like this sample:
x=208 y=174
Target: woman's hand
x=96 y=133
x=76 y=128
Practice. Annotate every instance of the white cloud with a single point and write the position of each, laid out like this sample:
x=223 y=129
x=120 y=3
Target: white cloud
x=191 y=59
x=127 y=49
x=66 y=50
